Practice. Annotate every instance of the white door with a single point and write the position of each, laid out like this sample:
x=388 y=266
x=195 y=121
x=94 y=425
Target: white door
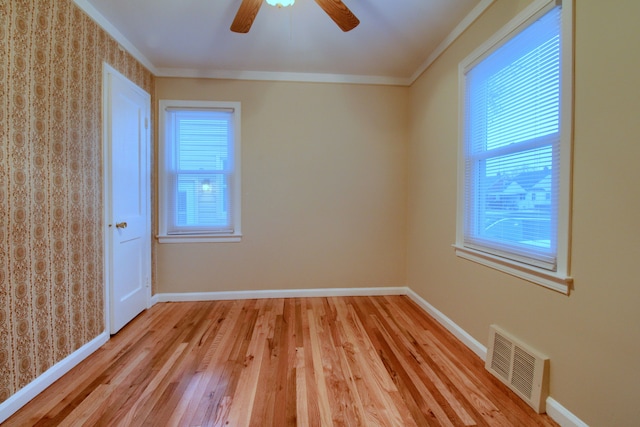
x=128 y=241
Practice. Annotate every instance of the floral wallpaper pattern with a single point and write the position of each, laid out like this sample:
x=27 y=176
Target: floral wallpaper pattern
x=51 y=273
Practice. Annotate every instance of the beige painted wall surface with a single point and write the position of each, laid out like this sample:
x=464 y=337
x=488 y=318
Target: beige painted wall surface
x=591 y=336
x=323 y=190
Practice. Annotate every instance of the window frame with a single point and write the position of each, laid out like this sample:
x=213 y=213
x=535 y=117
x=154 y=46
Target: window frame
x=558 y=279
x=235 y=192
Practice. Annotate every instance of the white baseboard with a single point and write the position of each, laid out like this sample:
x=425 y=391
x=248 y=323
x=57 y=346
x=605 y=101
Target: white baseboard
x=562 y=415
x=35 y=387
x=284 y=293
x=450 y=325
x=154 y=300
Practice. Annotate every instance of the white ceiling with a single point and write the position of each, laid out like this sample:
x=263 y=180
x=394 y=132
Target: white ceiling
x=393 y=44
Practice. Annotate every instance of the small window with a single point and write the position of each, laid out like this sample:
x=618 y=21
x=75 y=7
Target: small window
x=515 y=149
x=199 y=171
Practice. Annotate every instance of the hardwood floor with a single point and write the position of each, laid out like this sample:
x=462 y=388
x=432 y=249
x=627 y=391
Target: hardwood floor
x=346 y=361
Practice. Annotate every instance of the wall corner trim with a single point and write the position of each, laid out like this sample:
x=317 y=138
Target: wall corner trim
x=51 y=375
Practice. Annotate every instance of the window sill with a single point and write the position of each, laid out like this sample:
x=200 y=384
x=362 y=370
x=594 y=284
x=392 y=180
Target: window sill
x=551 y=280
x=200 y=238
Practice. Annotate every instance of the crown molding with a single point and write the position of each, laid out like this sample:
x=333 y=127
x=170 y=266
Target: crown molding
x=282 y=76
x=90 y=10
x=452 y=37
x=113 y=32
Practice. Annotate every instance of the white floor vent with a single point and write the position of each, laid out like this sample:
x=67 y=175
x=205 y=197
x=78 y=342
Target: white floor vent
x=522 y=369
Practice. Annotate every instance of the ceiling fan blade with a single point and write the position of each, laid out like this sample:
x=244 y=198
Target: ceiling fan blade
x=340 y=14
x=245 y=16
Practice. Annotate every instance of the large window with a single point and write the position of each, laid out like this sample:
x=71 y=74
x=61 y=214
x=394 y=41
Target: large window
x=199 y=171
x=515 y=149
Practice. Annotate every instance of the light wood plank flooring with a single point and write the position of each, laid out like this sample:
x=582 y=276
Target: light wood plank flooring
x=347 y=361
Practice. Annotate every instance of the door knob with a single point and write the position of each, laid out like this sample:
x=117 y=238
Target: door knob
x=121 y=225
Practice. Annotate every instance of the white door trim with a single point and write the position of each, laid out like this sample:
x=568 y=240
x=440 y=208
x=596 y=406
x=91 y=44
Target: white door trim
x=108 y=70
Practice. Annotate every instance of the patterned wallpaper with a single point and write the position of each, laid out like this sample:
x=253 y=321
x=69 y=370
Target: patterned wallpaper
x=51 y=275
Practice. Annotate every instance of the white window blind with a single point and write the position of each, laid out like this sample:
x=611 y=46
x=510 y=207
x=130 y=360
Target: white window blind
x=199 y=173
x=512 y=146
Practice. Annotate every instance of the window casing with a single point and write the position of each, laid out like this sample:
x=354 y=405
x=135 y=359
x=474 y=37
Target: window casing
x=515 y=148
x=199 y=171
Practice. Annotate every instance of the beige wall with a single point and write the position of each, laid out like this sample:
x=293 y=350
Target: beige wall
x=591 y=336
x=328 y=199
x=51 y=247
x=323 y=190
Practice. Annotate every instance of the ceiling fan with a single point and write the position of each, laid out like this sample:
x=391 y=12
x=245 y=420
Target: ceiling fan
x=336 y=10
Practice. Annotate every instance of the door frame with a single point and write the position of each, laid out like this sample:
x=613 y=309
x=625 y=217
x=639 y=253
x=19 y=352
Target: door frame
x=107 y=161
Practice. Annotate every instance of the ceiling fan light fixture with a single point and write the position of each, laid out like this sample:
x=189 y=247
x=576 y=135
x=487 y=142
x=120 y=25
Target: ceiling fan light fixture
x=281 y=3
x=336 y=10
